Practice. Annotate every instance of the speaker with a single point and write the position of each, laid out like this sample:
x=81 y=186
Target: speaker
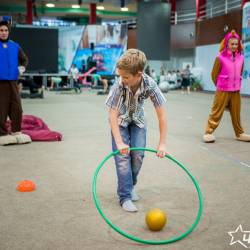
x=153 y=29
x=92 y=46
x=92 y=64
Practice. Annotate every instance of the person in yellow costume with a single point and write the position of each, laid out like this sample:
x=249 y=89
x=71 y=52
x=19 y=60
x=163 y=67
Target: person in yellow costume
x=226 y=75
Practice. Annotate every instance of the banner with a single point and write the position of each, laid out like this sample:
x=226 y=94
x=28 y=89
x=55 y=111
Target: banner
x=246 y=44
x=97 y=46
x=68 y=42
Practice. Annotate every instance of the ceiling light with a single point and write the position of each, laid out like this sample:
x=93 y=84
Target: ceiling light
x=100 y=7
x=124 y=9
x=75 y=6
x=50 y=5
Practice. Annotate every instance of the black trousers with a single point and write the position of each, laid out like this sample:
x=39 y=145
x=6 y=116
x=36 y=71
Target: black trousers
x=33 y=87
x=10 y=106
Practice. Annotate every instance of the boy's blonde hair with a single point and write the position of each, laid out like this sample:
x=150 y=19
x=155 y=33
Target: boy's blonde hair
x=132 y=61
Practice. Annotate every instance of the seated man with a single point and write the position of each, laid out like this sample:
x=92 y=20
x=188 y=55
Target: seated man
x=35 y=90
x=96 y=78
x=55 y=82
x=106 y=84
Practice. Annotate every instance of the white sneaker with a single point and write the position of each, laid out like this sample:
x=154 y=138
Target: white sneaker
x=7 y=140
x=129 y=206
x=21 y=138
x=244 y=137
x=135 y=196
x=208 y=138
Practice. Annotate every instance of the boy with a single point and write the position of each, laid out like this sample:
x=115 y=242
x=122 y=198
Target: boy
x=127 y=121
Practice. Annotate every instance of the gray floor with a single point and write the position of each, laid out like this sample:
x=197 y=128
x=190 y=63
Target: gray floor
x=61 y=214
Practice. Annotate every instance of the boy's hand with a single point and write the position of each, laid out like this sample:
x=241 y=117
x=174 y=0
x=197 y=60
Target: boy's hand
x=123 y=148
x=161 y=150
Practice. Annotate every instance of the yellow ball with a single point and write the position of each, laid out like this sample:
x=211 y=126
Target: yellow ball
x=155 y=219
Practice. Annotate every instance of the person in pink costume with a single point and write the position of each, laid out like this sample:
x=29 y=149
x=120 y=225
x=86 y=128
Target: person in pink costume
x=226 y=75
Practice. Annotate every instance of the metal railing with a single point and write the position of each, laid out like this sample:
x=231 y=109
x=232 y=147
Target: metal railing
x=210 y=10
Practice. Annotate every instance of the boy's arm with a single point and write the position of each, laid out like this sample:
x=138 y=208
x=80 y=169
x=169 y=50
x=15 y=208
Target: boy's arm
x=216 y=70
x=161 y=114
x=113 y=119
x=159 y=100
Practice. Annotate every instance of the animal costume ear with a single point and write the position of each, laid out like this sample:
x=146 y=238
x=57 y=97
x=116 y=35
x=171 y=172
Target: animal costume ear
x=233 y=33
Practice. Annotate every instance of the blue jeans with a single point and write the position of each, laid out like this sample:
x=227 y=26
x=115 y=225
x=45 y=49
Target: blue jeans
x=129 y=165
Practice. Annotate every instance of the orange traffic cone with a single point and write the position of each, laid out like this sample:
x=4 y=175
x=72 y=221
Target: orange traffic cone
x=26 y=186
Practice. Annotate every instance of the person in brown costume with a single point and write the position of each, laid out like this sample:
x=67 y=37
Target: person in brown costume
x=226 y=75
x=13 y=62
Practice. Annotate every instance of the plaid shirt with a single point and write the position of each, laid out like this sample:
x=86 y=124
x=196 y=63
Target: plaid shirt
x=131 y=107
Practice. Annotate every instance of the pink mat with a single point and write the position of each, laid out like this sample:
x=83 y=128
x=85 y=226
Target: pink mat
x=37 y=129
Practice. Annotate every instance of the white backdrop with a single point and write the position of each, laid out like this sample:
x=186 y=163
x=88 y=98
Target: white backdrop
x=246 y=44
x=204 y=59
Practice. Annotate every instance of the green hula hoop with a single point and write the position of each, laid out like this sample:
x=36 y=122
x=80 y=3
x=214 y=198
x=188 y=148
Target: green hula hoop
x=129 y=236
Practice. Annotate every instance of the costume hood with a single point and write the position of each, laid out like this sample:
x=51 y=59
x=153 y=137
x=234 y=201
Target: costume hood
x=225 y=41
